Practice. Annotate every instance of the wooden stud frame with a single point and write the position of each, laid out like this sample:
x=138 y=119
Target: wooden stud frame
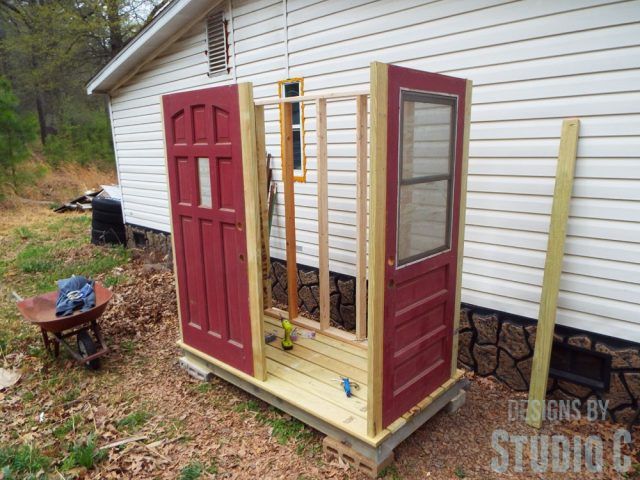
x=263 y=189
x=289 y=212
x=361 y=217
x=552 y=270
x=323 y=212
x=377 y=257
x=252 y=220
x=461 y=225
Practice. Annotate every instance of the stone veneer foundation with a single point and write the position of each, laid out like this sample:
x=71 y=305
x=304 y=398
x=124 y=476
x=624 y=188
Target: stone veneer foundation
x=342 y=293
x=501 y=345
x=155 y=245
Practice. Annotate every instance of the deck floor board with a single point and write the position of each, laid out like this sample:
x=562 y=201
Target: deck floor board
x=313 y=368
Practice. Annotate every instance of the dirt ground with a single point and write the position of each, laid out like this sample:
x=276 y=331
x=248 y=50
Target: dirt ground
x=58 y=416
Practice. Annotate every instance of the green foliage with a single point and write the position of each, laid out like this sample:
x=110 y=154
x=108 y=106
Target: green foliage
x=68 y=426
x=134 y=420
x=459 y=472
x=85 y=139
x=390 y=472
x=48 y=262
x=250 y=405
x=192 y=471
x=213 y=467
x=37 y=259
x=50 y=50
x=17 y=131
x=24 y=461
x=286 y=429
x=83 y=454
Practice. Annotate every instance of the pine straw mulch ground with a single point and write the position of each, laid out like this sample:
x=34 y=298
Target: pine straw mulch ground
x=186 y=429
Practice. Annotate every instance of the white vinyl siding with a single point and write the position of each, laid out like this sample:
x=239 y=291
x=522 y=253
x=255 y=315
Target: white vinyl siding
x=532 y=63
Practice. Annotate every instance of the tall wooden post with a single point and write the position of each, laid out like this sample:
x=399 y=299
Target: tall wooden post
x=361 y=217
x=252 y=221
x=289 y=213
x=377 y=240
x=552 y=270
x=323 y=213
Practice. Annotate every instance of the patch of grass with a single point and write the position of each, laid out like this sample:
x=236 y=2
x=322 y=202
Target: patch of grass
x=192 y=471
x=24 y=461
x=213 y=467
x=459 y=472
x=37 y=259
x=36 y=350
x=24 y=233
x=128 y=346
x=634 y=473
x=113 y=280
x=70 y=395
x=390 y=472
x=134 y=420
x=83 y=454
x=103 y=260
x=286 y=429
x=28 y=396
x=249 y=405
x=70 y=425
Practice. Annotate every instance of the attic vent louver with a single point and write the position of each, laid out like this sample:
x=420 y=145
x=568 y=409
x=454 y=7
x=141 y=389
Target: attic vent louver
x=217 y=43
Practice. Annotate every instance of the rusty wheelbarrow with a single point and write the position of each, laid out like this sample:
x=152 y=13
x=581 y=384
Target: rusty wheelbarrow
x=41 y=311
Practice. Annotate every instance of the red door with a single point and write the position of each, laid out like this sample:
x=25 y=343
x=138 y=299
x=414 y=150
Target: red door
x=204 y=157
x=425 y=138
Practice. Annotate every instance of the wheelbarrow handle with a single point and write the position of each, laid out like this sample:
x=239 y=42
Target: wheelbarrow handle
x=16 y=297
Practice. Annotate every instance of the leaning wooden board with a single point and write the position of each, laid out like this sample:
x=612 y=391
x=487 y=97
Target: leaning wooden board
x=553 y=269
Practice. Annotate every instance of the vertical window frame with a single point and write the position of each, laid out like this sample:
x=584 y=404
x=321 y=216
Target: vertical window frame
x=298 y=175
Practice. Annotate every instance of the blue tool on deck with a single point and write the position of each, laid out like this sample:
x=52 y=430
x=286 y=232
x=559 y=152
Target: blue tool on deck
x=348 y=385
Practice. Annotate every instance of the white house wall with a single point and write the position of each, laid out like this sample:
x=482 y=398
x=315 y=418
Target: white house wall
x=532 y=63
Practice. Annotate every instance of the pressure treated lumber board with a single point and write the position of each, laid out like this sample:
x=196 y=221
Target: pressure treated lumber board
x=300 y=379
x=552 y=270
x=378 y=209
x=342 y=363
x=252 y=225
x=361 y=217
x=289 y=212
x=263 y=187
x=325 y=375
x=323 y=212
x=324 y=415
x=322 y=338
x=311 y=404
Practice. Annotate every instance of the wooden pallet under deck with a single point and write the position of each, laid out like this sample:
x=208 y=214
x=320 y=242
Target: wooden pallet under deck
x=305 y=382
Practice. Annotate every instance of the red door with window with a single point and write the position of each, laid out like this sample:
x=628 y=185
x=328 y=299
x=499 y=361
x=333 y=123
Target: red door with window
x=425 y=139
x=204 y=159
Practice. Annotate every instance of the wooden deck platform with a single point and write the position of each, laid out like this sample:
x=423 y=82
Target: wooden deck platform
x=313 y=370
x=305 y=382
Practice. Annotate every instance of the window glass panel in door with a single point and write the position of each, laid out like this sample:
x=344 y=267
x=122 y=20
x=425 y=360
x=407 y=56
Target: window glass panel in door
x=422 y=219
x=204 y=182
x=427 y=135
x=427 y=140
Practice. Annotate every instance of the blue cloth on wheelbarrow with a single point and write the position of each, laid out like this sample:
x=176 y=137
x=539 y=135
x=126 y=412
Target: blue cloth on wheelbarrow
x=75 y=293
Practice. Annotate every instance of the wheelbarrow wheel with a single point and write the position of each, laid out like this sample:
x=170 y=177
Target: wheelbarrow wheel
x=87 y=347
